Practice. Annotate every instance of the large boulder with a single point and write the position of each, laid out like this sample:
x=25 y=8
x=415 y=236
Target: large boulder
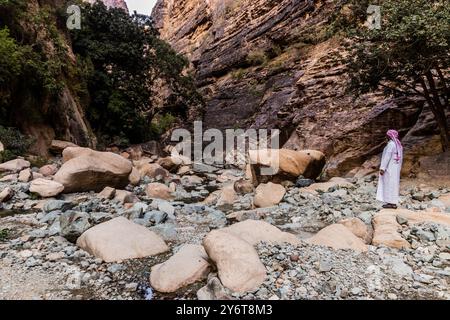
x=187 y=266
x=268 y=195
x=285 y=164
x=88 y=170
x=158 y=191
x=120 y=239
x=337 y=236
x=237 y=261
x=16 y=165
x=46 y=188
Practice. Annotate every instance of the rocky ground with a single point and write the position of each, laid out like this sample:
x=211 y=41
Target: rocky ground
x=40 y=257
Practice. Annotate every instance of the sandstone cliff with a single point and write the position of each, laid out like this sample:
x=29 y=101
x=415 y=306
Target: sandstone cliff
x=267 y=64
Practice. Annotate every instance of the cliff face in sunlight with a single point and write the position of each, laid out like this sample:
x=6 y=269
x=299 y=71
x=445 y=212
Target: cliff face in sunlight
x=267 y=64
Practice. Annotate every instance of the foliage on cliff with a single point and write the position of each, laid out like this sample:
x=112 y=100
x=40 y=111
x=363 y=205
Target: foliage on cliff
x=408 y=55
x=122 y=74
x=124 y=60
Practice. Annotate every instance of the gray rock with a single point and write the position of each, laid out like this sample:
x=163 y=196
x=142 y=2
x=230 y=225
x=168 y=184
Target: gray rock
x=99 y=217
x=55 y=228
x=37 y=234
x=166 y=230
x=156 y=217
x=57 y=205
x=73 y=224
x=303 y=182
x=166 y=207
x=204 y=168
x=325 y=265
x=115 y=268
x=50 y=217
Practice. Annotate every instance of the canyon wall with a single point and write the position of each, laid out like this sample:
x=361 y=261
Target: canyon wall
x=267 y=64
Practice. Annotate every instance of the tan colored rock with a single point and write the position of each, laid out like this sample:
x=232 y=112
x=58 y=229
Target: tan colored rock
x=152 y=170
x=335 y=182
x=189 y=265
x=10 y=178
x=126 y=155
x=226 y=198
x=88 y=170
x=158 y=191
x=135 y=177
x=268 y=195
x=386 y=227
x=183 y=170
x=48 y=170
x=338 y=237
x=58 y=146
x=46 y=188
x=237 y=261
x=37 y=175
x=256 y=231
x=6 y=194
x=358 y=228
x=169 y=163
x=286 y=164
x=124 y=196
x=120 y=239
x=243 y=187
x=15 y=166
x=386 y=232
x=25 y=175
x=107 y=193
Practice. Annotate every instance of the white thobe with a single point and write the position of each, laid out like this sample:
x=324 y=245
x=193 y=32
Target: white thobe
x=389 y=183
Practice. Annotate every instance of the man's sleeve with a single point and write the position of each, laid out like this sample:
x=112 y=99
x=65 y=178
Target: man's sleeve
x=387 y=156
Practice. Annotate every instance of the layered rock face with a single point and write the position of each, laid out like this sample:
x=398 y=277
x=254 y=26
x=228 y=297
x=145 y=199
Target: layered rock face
x=263 y=64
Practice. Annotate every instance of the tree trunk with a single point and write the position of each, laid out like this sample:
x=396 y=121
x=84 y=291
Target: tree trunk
x=438 y=112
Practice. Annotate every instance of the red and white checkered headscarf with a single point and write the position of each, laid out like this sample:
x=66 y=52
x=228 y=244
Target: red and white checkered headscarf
x=393 y=135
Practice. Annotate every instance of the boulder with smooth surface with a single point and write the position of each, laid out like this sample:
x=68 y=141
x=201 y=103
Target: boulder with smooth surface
x=238 y=263
x=268 y=195
x=88 y=170
x=187 y=266
x=120 y=239
x=46 y=188
x=337 y=236
x=16 y=165
x=284 y=164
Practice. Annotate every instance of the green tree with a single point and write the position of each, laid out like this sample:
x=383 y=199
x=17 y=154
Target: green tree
x=409 y=55
x=123 y=59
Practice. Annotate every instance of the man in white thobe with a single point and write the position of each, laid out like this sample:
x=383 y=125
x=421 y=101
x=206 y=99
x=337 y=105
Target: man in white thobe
x=389 y=178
